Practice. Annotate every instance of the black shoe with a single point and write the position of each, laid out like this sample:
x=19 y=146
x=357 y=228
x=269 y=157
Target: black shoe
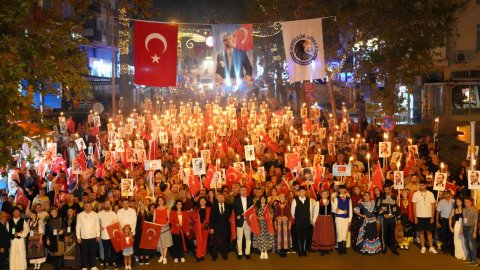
x=304 y=254
x=239 y=257
x=106 y=266
x=384 y=251
x=214 y=258
x=198 y=259
x=322 y=253
x=115 y=266
x=147 y=261
x=225 y=257
x=247 y=257
x=395 y=251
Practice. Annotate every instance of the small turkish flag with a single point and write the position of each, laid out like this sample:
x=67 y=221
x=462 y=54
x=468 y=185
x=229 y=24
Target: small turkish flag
x=209 y=176
x=116 y=236
x=252 y=220
x=233 y=176
x=155 y=54
x=194 y=183
x=267 y=215
x=150 y=235
x=70 y=125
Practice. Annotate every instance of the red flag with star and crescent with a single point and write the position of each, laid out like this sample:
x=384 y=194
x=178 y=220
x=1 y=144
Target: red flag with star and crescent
x=233 y=176
x=252 y=220
x=150 y=235
x=116 y=235
x=155 y=53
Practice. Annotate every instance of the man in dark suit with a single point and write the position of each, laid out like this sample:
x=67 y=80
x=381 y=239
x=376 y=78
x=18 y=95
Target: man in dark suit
x=233 y=63
x=240 y=204
x=220 y=226
x=4 y=241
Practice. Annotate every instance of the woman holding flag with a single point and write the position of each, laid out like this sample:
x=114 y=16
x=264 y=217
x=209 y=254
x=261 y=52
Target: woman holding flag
x=264 y=241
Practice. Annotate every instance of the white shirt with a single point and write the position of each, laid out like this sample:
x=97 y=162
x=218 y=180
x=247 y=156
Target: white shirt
x=106 y=218
x=335 y=208
x=127 y=217
x=423 y=201
x=88 y=225
x=244 y=203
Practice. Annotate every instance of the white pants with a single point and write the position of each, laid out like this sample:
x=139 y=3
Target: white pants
x=240 y=231
x=341 y=225
x=459 y=241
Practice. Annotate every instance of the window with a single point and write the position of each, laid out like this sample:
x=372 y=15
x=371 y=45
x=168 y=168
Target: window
x=478 y=36
x=465 y=99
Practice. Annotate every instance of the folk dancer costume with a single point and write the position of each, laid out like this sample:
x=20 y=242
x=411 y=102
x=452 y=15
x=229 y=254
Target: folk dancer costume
x=18 y=256
x=71 y=257
x=54 y=236
x=301 y=209
x=342 y=207
x=282 y=223
x=368 y=241
x=387 y=207
x=264 y=241
x=324 y=229
x=35 y=246
x=201 y=219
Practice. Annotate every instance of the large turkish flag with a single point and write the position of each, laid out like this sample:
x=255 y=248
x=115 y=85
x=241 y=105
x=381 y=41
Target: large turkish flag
x=117 y=236
x=150 y=235
x=155 y=53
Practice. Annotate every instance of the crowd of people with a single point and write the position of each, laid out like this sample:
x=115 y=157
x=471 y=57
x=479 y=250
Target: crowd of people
x=238 y=178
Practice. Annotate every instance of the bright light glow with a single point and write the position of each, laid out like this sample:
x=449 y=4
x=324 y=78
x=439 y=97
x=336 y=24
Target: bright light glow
x=209 y=41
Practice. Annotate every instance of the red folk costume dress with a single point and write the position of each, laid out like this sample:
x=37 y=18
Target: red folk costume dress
x=201 y=218
x=282 y=220
x=323 y=231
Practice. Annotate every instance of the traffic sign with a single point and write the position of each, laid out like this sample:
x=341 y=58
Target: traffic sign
x=388 y=123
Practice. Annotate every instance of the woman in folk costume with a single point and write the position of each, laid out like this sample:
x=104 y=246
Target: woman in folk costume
x=201 y=218
x=18 y=229
x=143 y=215
x=407 y=218
x=265 y=240
x=323 y=230
x=342 y=207
x=368 y=241
x=71 y=256
x=161 y=215
x=54 y=237
x=455 y=222
x=180 y=227
x=356 y=197
x=35 y=248
x=282 y=219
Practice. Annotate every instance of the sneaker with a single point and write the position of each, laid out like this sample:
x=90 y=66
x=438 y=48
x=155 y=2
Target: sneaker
x=161 y=259
x=176 y=260
x=141 y=262
x=432 y=250
x=423 y=250
x=147 y=261
x=94 y=268
x=164 y=260
x=473 y=264
x=182 y=260
x=115 y=266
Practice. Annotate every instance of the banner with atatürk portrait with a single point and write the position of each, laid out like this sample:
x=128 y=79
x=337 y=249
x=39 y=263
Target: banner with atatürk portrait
x=303 y=42
x=233 y=58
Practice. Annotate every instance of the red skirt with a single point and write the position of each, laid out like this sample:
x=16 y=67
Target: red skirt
x=323 y=234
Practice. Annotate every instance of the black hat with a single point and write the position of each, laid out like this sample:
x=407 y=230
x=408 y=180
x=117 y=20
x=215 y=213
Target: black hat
x=301 y=188
x=341 y=186
x=423 y=182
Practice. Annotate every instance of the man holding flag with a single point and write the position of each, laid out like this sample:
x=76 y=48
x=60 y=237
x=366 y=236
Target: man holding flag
x=240 y=204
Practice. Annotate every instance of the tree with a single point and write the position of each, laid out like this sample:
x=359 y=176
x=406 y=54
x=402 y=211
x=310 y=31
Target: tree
x=39 y=47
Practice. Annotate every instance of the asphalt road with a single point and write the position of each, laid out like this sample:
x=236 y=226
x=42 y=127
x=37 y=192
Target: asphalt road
x=408 y=259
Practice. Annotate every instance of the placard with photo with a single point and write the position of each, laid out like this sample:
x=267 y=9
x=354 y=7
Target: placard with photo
x=239 y=166
x=80 y=144
x=384 y=149
x=249 y=153
x=398 y=180
x=127 y=187
x=199 y=167
x=469 y=152
x=473 y=179
x=440 y=181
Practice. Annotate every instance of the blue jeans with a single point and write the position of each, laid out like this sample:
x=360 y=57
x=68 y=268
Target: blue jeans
x=470 y=243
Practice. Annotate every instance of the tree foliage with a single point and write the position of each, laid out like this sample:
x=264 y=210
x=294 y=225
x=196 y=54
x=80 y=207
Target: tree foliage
x=389 y=41
x=40 y=47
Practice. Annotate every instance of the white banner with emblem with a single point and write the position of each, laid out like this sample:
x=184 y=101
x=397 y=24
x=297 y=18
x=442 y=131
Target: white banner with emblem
x=303 y=42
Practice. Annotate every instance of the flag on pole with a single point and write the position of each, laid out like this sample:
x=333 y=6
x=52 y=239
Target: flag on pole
x=233 y=176
x=303 y=43
x=70 y=125
x=155 y=54
x=267 y=215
